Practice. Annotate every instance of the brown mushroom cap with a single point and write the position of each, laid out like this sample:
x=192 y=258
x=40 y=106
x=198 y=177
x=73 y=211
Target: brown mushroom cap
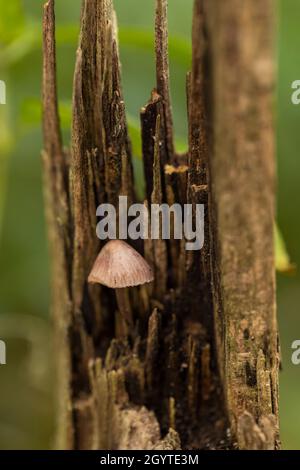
x=118 y=265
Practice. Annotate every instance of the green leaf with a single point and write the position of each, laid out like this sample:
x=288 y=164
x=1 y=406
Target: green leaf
x=11 y=20
x=20 y=46
x=5 y=147
x=283 y=262
x=135 y=135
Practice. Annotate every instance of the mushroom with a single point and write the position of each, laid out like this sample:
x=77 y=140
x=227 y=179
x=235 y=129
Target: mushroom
x=120 y=266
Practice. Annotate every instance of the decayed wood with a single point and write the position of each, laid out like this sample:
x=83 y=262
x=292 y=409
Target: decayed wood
x=197 y=119
x=56 y=170
x=162 y=76
x=148 y=117
x=160 y=256
x=156 y=383
x=198 y=264
x=242 y=210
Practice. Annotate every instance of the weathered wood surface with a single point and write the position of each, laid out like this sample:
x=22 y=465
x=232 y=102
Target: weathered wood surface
x=161 y=388
x=242 y=189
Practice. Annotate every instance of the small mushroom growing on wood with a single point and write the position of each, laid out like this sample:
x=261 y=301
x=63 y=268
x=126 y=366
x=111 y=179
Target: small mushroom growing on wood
x=120 y=266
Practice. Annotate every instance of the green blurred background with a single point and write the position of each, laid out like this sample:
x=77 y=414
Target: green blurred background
x=26 y=382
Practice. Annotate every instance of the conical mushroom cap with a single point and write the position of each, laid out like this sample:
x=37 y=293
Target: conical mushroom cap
x=118 y=265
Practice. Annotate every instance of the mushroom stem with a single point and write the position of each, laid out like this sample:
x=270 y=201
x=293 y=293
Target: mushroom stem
x=124 y=306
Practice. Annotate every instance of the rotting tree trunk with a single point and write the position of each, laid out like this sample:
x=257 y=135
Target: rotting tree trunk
x=241 y=39
x=201 y=371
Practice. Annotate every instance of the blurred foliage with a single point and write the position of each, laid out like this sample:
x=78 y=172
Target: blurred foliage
x=288 y=145
x=283 y=262
x=11 y=21
x=26 y=408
